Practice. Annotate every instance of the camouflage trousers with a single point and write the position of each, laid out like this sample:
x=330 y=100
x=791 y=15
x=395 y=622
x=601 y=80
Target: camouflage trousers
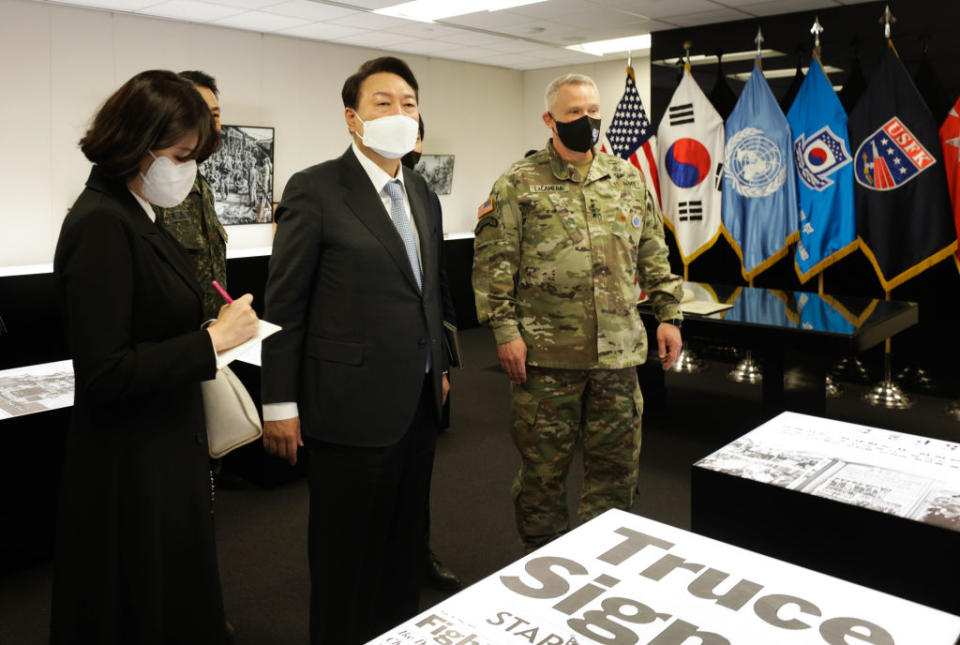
x=550 y=412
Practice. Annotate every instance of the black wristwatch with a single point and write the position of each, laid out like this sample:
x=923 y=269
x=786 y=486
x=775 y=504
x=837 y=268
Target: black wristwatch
x=676 y=322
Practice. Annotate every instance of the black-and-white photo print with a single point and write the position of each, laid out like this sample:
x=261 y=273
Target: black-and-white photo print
x=241 y=175
x=438 y=171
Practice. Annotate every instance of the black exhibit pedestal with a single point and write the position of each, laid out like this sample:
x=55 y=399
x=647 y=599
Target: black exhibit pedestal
x=30 y=476
x=870 y=506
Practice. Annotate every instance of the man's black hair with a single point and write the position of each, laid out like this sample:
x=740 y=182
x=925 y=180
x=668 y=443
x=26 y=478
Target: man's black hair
x=351 y=87
x=202 y=79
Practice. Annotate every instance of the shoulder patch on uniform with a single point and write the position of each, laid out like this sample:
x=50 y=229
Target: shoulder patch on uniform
x=543 y=188
x=485 y=207
x=485 y=222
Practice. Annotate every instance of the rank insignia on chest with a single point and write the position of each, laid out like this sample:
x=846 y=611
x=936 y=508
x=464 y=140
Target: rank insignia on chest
x=485 y=207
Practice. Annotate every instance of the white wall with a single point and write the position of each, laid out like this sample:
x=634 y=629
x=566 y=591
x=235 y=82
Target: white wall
x=610 y=76
x=57 y=64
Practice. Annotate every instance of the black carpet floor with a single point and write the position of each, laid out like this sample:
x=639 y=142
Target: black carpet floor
x=262 y=533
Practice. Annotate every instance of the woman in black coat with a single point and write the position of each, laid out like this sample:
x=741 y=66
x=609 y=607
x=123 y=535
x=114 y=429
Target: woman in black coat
x=135 y=557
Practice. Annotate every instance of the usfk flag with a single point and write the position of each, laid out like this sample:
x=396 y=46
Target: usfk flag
x=690 y=142
x=759 y=179
x=630 y=135
x=904 y=219
x=821 y=150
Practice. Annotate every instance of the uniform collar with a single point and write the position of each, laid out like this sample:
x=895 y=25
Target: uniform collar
x=566 y=171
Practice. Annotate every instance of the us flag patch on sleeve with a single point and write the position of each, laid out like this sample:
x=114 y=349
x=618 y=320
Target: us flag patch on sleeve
x=485 y=207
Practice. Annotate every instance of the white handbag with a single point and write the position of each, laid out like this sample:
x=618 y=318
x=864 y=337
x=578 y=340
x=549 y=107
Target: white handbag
x=232 y=419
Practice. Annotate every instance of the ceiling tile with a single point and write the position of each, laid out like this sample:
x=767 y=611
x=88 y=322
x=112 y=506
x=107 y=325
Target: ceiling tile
x=368 y=20
x=469 y=38
x=423 y=46
x=119 y=5
x=705 y=17
x=424 y=30
x=190 y=10
x=515 y=61
x=490 y=20
x=313 y=11
x=778 y=7
x=321 y=31
x=466 y=54
x=552 y=10
x=261 y=21
x=245 y=4
x=371 y=4
x=375 y=39
x=661 y=8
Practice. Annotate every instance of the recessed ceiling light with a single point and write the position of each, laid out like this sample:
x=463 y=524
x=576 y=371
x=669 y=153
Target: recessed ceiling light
x=601 y=47
x=782 y=73
x=430 y=10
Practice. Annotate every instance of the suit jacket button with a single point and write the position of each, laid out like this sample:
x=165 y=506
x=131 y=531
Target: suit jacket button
x=422 y=342
x=199 y=437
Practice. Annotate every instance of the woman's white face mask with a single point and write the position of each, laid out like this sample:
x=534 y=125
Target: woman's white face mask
x=390 y=136
x=166 y=183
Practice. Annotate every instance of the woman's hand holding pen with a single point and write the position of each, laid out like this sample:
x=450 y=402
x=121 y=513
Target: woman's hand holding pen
x=236 y=324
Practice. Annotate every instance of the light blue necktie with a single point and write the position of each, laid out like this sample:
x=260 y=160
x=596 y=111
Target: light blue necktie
x=402 y=222
x=399 y=216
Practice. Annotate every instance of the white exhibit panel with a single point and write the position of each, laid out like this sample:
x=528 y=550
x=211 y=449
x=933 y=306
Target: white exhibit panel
x=36 y=388
x=622 y=579
x=909 y=476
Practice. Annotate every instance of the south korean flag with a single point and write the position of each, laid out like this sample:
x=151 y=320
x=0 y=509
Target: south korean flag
x=691 y=139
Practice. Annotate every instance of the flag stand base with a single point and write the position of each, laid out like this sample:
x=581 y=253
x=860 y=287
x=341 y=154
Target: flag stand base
x=746 y=371
x=832 y=388
x=851 y=368
x=953 y=411
x=887 y=394
x=688 y=362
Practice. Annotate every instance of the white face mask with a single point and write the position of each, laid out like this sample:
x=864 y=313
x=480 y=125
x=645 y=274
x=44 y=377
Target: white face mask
x=390 y=136
x=166 y=183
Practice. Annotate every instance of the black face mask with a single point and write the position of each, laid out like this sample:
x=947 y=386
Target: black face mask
x=410 y=159
x=579 y=135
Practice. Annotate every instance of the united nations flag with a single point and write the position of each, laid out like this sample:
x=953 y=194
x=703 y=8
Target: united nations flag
x=903 y=216
x=759 y=179
x=821 y=150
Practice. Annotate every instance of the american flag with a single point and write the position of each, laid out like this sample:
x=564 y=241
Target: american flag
x=630 y=135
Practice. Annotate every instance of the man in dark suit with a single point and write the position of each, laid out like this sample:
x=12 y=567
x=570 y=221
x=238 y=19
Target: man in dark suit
x=356 y=375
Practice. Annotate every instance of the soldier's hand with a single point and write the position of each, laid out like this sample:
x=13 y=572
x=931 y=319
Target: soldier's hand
x=669 y=344
x=513 y=359
x=282 y=438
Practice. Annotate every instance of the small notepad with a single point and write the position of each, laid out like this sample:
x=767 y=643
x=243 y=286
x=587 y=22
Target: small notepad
x=250 y=347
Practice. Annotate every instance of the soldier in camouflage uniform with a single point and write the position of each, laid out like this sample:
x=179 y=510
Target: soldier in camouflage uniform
x=194 y=221
x=563 y=245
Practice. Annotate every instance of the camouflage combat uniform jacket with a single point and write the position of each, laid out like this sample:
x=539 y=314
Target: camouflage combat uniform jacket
x=194 y=224
x=557 y=262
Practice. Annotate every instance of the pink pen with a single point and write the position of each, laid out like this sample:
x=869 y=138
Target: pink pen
x=223 y=292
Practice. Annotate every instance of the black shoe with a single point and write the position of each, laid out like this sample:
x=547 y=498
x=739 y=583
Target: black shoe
x=438 y=575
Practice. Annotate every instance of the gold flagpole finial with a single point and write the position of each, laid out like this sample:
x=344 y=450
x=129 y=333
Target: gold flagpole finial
x=687 y=46
x=759 y=41
x=816 y=30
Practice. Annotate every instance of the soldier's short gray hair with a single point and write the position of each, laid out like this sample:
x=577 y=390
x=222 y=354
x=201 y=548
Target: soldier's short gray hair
x=567 y=79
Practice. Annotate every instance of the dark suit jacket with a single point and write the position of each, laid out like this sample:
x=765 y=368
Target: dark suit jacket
x=356 y=328
x=136 y=559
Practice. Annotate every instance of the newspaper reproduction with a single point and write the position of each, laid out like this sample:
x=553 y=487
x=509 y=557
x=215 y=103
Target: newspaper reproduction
x=621 y=579
x=904 y=475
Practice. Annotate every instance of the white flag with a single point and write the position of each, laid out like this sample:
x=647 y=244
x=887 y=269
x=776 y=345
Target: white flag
x=691 y=143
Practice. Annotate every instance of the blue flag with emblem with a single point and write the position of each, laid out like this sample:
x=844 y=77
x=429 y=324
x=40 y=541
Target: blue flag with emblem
x=821 y=150
x=759 y=179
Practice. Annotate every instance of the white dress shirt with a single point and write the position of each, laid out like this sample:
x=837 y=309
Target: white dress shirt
x=379 y=178
x=146 y=206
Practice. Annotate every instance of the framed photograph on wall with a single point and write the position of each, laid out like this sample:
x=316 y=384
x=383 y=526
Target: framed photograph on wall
x=241 y=175
x=438 y=171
